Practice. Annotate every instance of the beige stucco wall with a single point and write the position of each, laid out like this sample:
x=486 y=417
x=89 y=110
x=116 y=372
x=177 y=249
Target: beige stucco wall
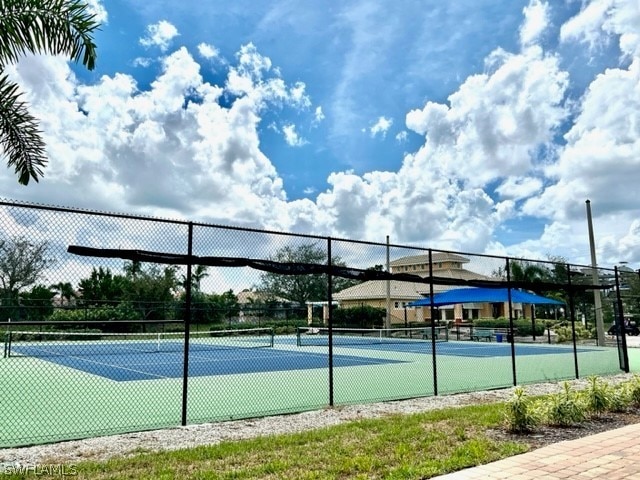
x=424 y=314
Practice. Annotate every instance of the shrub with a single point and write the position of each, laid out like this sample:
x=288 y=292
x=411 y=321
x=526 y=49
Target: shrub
x=358 y=317
x=523 y=326
x=565 y=408
x=491 y=323
x=598 y=396
x=280 y=326
x=619 y=397
x=521 y=415
x=565 y=335
x=106 y=313
x=634 y=391
x=55 y=335
x=525 y=329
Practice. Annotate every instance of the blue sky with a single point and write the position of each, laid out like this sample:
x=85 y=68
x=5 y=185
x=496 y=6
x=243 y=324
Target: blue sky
x=473 y=125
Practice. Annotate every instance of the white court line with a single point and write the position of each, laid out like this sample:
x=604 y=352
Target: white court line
x=97 y=363
x=282 y=353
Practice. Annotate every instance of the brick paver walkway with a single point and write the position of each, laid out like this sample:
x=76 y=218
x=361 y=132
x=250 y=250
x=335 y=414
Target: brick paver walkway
x=612 y=455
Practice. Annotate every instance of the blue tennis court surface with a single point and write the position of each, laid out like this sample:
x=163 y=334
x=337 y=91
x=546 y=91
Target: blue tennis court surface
x=471 y=349
x=161 y=365
x=452 y=347
x=127 y=361
x=415 y=341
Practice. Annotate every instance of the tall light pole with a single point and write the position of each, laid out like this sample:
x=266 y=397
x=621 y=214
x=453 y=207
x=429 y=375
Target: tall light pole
x=597 y=300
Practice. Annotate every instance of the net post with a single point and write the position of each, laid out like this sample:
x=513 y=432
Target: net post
x=7 y=341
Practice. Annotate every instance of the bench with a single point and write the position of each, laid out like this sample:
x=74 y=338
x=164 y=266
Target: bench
x=479 y=335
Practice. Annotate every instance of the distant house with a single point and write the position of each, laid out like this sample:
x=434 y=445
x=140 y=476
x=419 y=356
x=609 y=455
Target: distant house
x=253 y=305
x=445 y=265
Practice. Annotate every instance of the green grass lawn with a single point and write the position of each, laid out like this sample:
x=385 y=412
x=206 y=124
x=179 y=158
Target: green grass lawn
x=395 y=447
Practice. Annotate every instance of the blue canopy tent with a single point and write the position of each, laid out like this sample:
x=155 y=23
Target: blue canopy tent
x=484 y=295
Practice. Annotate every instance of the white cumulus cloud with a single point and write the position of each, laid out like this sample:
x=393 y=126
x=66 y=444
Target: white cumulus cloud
x=208 y=51
x=159 y=35
x=182 y=146
x=291 y=136
x=494 y=123
x=381 y=126
x=536 y=16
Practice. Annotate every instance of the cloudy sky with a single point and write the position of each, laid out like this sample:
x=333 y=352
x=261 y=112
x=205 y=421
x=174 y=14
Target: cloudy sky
x=473 y=125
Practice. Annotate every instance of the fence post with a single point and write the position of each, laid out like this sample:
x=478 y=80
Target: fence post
x=433 y=326
x=187 y=327
x=387 y=320
x=572 y=314
x=330 y=320
x=511 y=333
x=620 y=323
x=533 y=322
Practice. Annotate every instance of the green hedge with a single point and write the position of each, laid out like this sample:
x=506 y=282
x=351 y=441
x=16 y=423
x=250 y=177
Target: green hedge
x=565 y=334
x=45 y=335
x=280 y=326
x=359 y=317
x=523 y=326
x=122 y=311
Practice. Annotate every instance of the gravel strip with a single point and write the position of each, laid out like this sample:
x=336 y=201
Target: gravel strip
x=102 y=448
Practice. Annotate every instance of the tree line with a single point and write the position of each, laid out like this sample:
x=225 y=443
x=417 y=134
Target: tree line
x=151 y=292
x=139 y=292
x=146 y=291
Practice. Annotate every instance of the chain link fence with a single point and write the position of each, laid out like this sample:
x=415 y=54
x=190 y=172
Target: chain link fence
x=116 y=323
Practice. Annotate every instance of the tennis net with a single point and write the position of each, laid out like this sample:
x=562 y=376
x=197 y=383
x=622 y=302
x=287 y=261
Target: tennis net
x=59 y=343
x=314 y=336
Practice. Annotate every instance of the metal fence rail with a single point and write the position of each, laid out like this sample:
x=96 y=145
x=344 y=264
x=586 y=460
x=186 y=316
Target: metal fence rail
x=116 y=323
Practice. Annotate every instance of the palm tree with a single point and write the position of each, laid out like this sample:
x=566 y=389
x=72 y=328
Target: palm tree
x=133 y=269
x=526 y=272
x=58 y=27
x=198 y=274
x=65 y=289
x=529 y=274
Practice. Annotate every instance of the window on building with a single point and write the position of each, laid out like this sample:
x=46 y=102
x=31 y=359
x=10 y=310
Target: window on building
x=470 y=314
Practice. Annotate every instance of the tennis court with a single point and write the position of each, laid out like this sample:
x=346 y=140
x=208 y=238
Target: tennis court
x=418 y=340
x=131 y=357
x=57 y=388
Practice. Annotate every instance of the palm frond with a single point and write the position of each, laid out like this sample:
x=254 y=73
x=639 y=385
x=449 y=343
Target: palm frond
x=47 y=26
x=20 y=137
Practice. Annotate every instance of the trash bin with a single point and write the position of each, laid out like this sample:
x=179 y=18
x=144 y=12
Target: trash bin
x=499 y=337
